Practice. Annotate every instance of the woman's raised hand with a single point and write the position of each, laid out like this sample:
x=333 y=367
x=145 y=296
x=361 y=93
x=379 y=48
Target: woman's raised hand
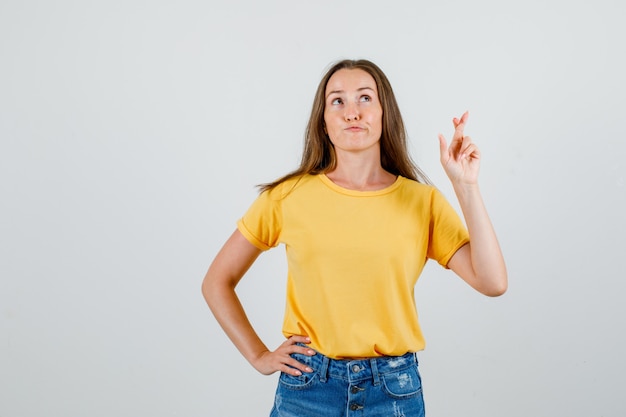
x=460 y=160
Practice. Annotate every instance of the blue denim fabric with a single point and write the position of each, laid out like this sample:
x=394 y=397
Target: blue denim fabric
x=377 y=387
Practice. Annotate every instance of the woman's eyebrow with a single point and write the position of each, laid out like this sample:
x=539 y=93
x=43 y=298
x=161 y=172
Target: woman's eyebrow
x=342 y=91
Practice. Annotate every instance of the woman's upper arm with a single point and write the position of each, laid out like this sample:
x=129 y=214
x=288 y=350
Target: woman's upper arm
x=232 y=261
x=461 y=264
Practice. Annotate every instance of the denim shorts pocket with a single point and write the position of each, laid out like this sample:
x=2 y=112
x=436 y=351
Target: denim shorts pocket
x=299 y=382
x=403 y=384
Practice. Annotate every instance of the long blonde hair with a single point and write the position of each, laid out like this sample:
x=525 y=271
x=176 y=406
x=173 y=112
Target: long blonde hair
x=319 y=156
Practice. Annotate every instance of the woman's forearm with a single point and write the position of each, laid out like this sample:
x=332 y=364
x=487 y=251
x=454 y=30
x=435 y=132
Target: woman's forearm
x=227 y=309
x=487 y=262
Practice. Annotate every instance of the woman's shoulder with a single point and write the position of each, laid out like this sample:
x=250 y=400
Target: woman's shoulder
x=287 y=186
x=415 y=186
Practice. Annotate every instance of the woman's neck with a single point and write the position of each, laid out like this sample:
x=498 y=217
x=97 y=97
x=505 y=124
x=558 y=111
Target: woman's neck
x=361 y=176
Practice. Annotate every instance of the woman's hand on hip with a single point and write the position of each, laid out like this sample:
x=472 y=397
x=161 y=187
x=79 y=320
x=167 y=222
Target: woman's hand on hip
x=280 y=360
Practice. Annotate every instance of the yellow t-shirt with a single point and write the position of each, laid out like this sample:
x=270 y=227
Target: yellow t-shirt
x=353 y=259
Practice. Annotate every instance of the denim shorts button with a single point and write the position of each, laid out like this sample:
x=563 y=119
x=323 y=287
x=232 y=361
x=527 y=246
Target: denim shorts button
x=355 y=407
x=354 y=389
x=356 y=368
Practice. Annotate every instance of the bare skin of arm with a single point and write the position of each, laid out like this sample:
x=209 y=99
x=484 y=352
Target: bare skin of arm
x=479 y=263
x=218 y=288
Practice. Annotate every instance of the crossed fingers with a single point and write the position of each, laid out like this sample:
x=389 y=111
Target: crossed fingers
x=461 y=146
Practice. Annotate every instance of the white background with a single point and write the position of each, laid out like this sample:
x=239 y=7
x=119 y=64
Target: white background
x=133 y=133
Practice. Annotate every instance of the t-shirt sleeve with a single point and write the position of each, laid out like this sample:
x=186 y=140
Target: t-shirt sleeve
x=447 y=232
x=262 y=223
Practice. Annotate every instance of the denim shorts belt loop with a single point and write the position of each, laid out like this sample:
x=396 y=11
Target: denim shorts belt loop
x=375 y=375
x=381 y=386
x=323 y=369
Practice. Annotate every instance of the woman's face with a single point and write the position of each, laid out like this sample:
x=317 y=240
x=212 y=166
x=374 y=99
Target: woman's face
x=353 y=114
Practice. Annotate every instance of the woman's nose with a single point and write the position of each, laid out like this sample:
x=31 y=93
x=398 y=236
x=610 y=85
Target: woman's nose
x=352 y=112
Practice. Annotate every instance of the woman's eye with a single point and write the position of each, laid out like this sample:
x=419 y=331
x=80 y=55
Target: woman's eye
x=336 y=101
x=366 y=98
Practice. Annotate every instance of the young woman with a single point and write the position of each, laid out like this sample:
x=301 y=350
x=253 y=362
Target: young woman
x=359 y=221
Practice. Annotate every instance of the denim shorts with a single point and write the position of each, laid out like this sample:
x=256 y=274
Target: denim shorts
x=383 y=386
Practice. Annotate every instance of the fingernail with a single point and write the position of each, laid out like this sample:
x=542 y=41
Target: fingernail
x=298 y=373
x=309 y=370
x=311 y=352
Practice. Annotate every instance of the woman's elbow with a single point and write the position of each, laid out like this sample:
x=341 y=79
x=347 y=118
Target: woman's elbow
x=496 y=292
x=497 y=287
x=216 y=287
x=209 y=289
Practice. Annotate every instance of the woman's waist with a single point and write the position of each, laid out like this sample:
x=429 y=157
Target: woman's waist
x=358 y=368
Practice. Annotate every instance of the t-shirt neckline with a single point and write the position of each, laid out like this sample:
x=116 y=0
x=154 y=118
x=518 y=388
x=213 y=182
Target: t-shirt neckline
x=328 y=182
